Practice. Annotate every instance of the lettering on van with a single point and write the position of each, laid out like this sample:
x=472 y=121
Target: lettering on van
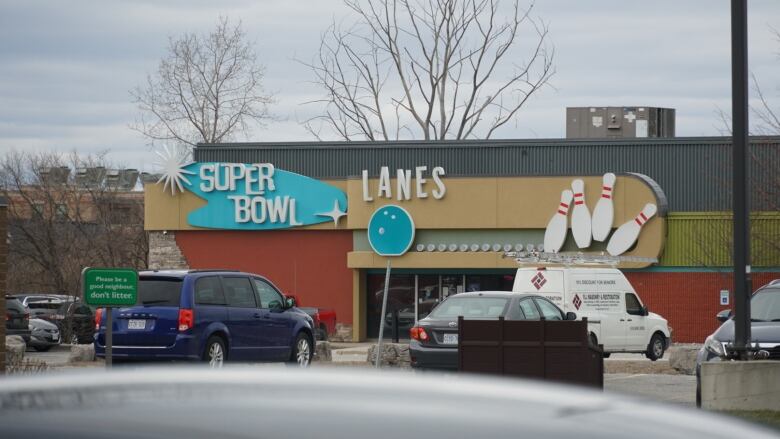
x=595 y=282
x=636 y=328
x=600 y=301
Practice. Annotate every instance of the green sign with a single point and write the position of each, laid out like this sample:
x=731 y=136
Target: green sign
x=110 y=286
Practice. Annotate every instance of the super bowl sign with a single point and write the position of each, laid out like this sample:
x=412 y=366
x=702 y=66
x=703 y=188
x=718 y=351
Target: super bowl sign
x=255 y=196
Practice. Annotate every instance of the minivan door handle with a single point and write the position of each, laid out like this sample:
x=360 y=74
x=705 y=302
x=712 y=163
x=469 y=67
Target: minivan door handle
x=630 y=320
x=256 y=315
x=622 y=320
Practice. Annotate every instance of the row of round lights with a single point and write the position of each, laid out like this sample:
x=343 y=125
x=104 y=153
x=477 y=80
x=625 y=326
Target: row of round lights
x=477 y=247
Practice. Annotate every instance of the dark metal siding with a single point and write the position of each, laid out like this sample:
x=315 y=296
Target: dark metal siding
x=694 y=173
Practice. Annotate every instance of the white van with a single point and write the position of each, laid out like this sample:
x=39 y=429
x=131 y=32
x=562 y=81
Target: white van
x=617 y=319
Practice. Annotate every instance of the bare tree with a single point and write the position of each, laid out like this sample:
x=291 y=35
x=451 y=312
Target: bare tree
x=715 y=237
x=59 y=226
x=206 y=89
x=430 y=69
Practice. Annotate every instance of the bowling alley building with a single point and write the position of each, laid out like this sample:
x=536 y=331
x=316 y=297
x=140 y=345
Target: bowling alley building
x=471 y=201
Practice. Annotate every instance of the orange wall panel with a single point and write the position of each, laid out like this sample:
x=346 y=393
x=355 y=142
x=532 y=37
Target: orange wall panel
x=309 y=264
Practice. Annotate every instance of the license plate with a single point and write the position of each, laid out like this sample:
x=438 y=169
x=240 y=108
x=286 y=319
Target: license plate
x=55 y=337
x=136 y=324
x=450 y=338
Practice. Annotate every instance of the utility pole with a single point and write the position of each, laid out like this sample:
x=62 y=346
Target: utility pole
x=739 y=111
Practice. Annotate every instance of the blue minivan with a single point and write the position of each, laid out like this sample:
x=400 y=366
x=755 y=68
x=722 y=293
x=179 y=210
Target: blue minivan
x=208 y=315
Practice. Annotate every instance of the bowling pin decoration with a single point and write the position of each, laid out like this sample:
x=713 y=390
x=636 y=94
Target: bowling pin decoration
x=580 y=216
x=604 y=212
x=626 y=235
x=558 y=227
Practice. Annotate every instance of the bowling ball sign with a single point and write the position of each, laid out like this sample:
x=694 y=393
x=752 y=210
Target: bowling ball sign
x=390 y=231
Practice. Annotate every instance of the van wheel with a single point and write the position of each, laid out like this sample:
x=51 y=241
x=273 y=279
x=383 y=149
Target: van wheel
x=302 y=351
x=656 y=348
x=214 y=353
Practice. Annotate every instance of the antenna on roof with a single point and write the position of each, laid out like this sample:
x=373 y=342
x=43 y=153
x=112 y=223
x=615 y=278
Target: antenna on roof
x=577 y=259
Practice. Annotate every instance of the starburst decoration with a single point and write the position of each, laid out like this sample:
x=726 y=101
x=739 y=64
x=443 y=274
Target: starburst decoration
x=334 y=214
x=172 y=162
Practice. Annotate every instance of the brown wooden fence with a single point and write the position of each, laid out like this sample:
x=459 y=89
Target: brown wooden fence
x=549 y=350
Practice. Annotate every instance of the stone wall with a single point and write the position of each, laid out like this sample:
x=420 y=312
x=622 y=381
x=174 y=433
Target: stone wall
x=164 y=252
x=3 y=272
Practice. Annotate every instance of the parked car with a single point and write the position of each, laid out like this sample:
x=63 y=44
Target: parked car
x=764 y=330
x=74 y=318
x=43 y=335
x=17 y=318
x=76 y=321
x=44 y=306
x=433 y=342
x=213 y=316
x=324 y=321
x=344 y=403
x=617 y=318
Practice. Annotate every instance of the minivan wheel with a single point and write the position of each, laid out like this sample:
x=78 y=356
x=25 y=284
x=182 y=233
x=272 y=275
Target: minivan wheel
x=656 y=348
x=302 y=351
x=215 y=352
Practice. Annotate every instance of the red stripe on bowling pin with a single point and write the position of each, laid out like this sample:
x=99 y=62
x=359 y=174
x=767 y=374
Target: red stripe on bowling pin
x=606 y=192
x=641 y=219
x=564 y=209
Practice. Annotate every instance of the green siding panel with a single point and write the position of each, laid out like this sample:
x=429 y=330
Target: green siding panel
x=703 y=239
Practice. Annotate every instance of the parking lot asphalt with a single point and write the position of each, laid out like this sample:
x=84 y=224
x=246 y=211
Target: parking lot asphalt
x=676 y=389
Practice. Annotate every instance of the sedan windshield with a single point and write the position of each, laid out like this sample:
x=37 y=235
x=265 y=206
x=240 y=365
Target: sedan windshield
x=472 y=307
x=765 y=306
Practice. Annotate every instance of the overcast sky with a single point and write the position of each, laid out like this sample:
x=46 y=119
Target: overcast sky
x=67 y=66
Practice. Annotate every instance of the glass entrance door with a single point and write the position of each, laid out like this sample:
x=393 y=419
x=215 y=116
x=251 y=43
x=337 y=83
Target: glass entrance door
x=428 y=294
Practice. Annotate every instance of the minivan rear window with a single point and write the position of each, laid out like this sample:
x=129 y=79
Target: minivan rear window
x=159 y=291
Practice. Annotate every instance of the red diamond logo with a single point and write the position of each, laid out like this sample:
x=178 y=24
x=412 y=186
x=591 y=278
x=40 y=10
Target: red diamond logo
x=577 y=302
x=538 y=281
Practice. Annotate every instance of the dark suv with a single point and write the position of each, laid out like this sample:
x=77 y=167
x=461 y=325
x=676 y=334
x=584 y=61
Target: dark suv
x=17 y=318
x=213 y=316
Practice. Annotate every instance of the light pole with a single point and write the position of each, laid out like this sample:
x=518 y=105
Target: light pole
x=739 y=111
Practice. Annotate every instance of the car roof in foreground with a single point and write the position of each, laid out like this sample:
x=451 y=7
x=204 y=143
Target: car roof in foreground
x=505 y=294
x=244 y=400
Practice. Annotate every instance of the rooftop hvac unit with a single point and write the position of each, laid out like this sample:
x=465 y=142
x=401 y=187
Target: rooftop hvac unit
x=113 y=178
x=128 y=179
x=90 y=177
x=619 y=122
x=55 y=175
x=147 y=178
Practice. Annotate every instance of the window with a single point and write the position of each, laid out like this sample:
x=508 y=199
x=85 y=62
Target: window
x=82 y=310
x=208 y=291
x=269 y=297
x=238 y=292
x=529 y=309
x=632 y=304
x=549 y=311
x=765 y=306
x=470 y=307
x=159 y=291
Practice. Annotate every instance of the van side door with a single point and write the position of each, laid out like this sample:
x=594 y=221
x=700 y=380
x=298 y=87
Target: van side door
x=244 y=319
x=636 y=327
x=277 y=324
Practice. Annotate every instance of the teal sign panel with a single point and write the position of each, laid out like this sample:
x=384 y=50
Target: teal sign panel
x=390 y=231
x=259 y=197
